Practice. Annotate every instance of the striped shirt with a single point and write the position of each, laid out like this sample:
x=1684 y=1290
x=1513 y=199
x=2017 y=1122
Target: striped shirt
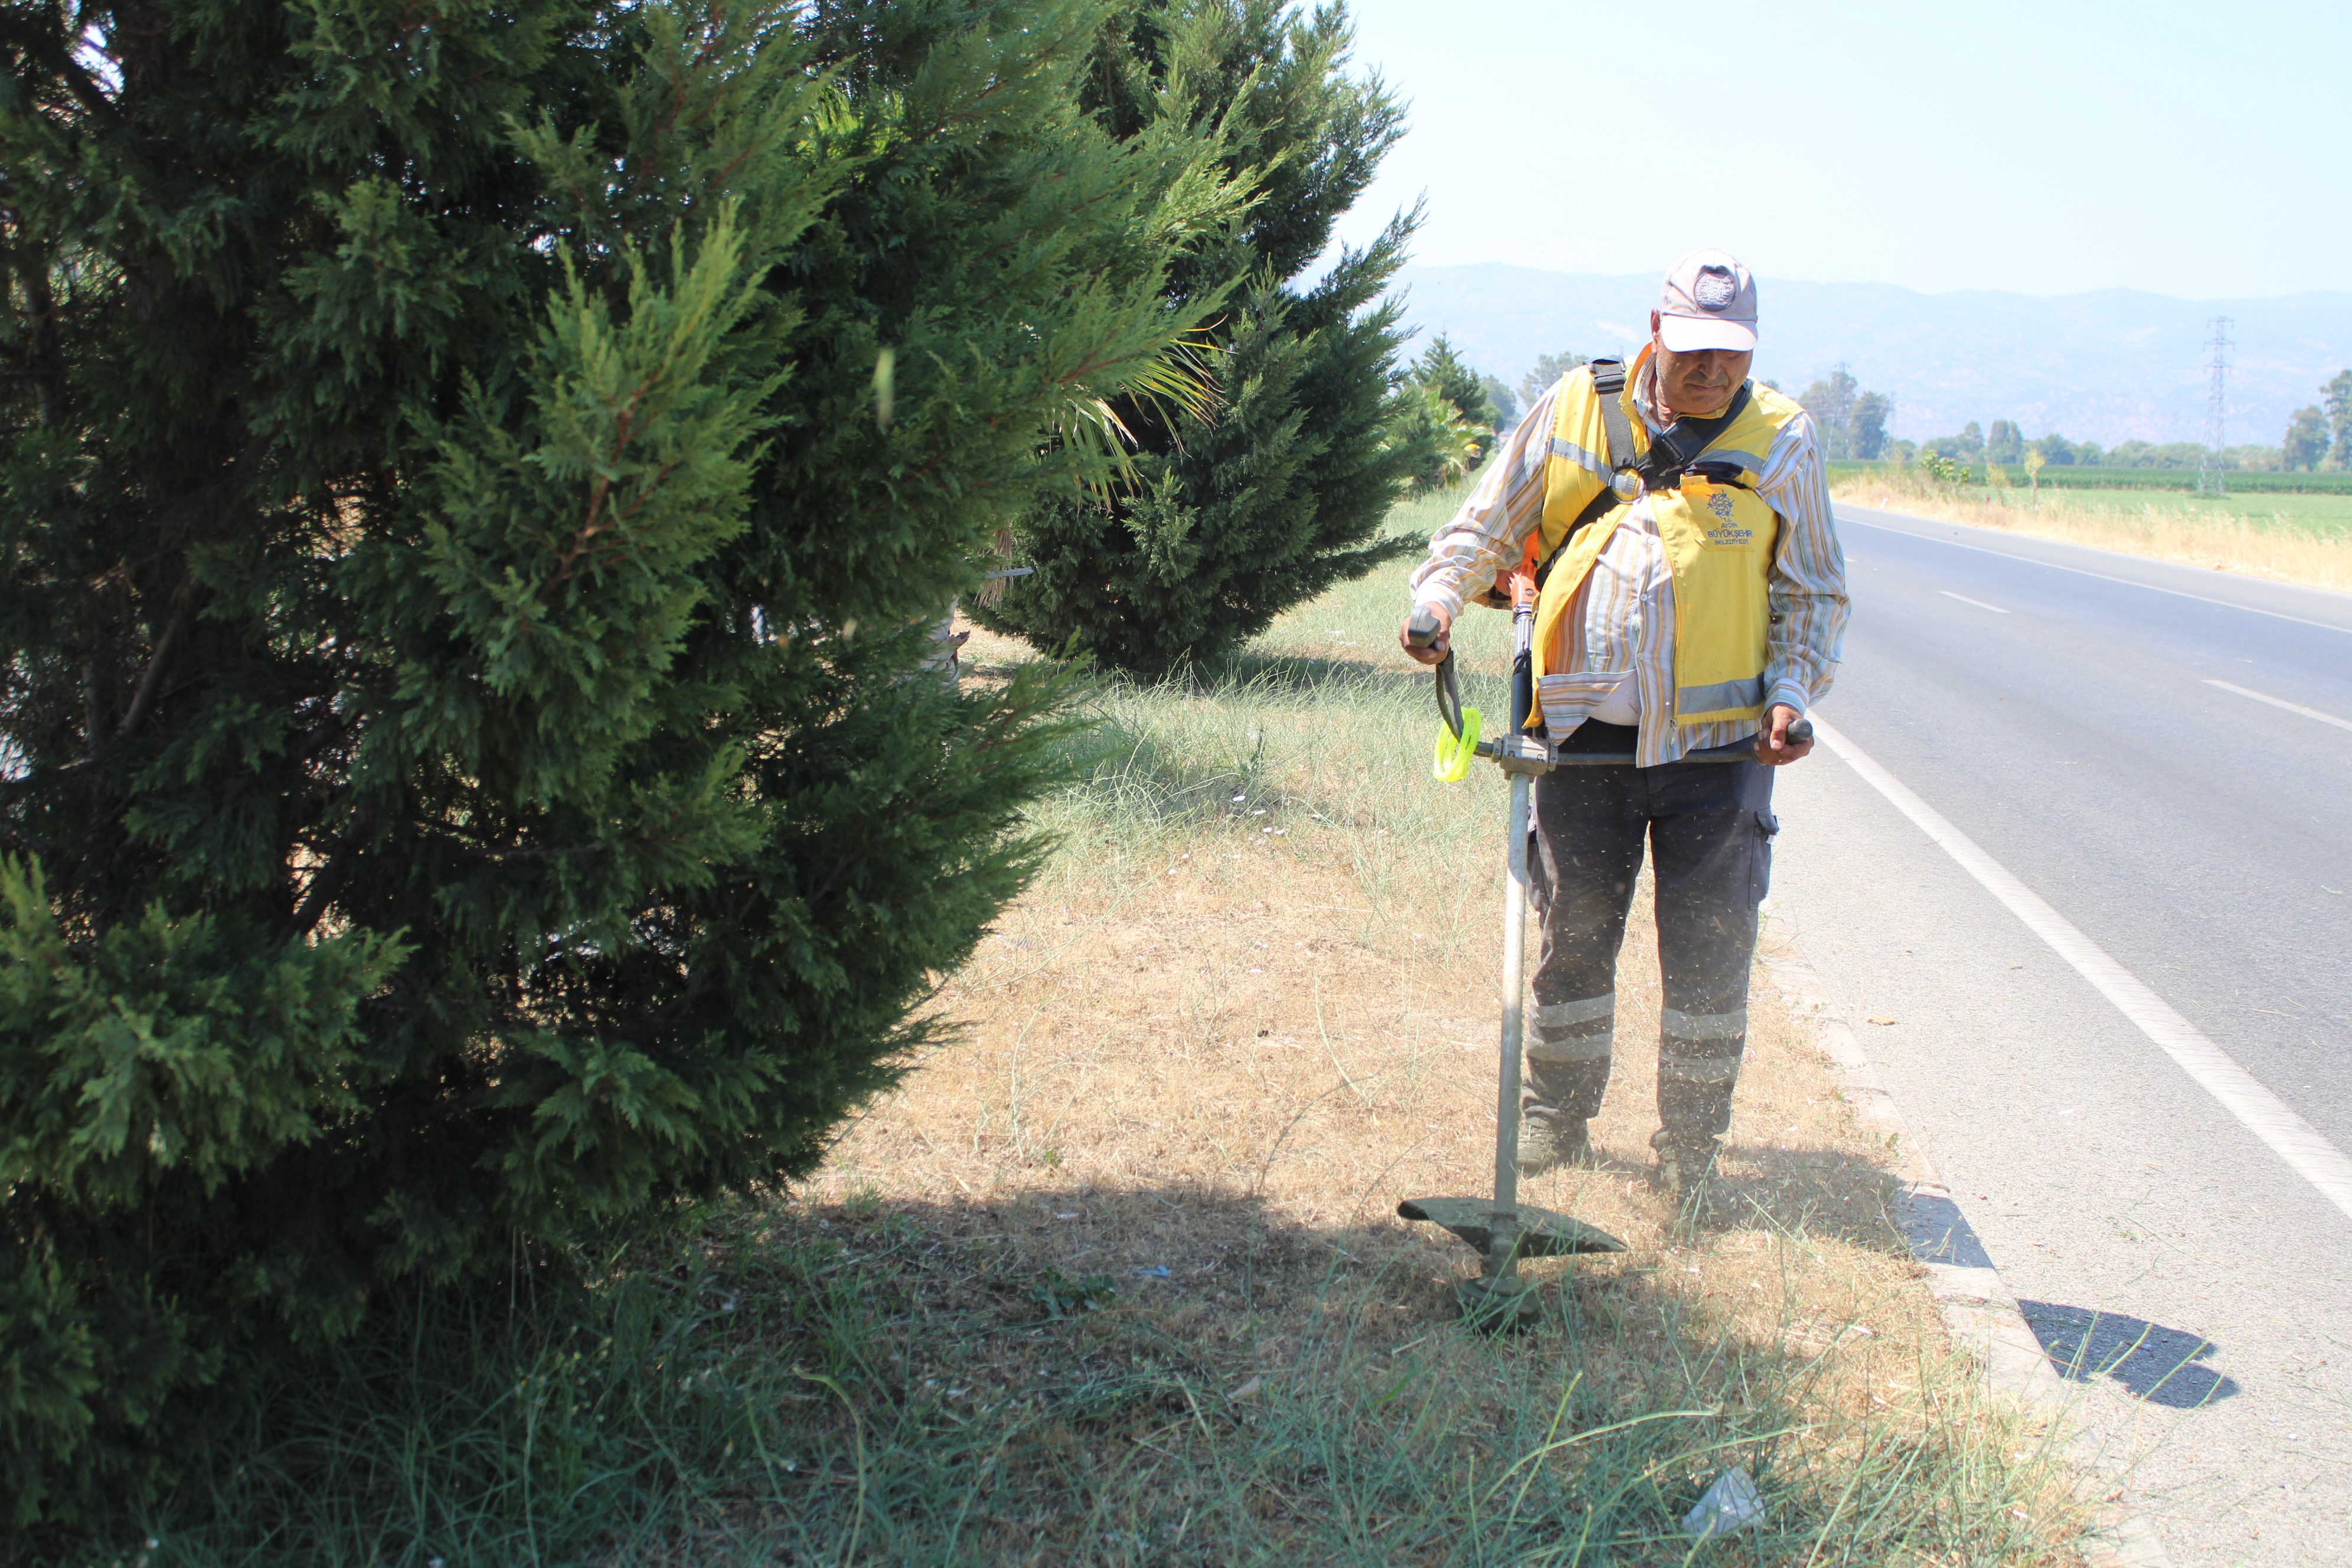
x=1620 y=668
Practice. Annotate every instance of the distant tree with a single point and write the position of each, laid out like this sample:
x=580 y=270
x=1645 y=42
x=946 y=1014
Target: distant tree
x=2305 y=441
x=1972 y=441
x=2087 y=455
x=1867 y=422
x=2056 y=450
x=1506 y=401
x=2006 y=444
x=1548 y=369
x=1831 y=403
x=2339 y=416
x=2147 y=455
x=1441 y=368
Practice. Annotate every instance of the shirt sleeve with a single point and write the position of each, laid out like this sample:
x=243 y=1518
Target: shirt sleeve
x=1807 y=586
x=1492 y=525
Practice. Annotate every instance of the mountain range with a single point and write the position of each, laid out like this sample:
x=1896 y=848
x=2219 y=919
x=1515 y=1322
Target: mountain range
x=2115 y=365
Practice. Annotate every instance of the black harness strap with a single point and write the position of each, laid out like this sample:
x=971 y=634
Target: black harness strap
x=1677 y=449
x=1609 y=385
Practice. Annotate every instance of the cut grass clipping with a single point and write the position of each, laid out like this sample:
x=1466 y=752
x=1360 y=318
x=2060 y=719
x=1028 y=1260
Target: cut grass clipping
x=1114 y=1278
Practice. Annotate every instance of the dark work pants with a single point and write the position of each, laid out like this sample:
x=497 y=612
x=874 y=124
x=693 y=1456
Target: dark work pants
x=1709 y=827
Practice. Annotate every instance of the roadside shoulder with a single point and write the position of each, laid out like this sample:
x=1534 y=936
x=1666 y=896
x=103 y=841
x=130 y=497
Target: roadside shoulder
x=1978 y=1308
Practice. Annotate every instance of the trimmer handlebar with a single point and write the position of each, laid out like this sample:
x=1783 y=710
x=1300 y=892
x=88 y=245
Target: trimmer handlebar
x=1800 y=733
x=1422 y=629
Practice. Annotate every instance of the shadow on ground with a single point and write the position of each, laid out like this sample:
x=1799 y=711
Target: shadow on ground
x=2154 y=1363
x=1939 y=1233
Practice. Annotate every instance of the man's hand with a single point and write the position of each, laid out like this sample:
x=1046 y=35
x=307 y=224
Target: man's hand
x=1434 y=651
x=1772 y=748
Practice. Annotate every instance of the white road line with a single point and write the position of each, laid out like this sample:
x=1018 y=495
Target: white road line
x=1979 y=603
x=2102 y=576
x=2267 y=1117
x=2282 y=702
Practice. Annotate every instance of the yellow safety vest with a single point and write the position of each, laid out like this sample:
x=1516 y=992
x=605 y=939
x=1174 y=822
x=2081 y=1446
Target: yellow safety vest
x=1720 y=541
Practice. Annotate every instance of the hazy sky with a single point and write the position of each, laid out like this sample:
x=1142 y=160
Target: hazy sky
x=2192 y=150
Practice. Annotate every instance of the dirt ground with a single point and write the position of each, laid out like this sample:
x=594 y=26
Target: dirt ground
x=1208 y=1094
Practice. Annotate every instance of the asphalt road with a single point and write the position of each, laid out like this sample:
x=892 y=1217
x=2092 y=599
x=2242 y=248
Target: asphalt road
x=2164 y=755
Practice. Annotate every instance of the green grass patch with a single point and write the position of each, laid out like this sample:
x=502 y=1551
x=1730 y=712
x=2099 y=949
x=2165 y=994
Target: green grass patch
x=2077 y=477
x=785 y=1388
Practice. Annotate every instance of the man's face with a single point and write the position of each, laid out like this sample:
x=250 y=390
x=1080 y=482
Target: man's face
x=1698 y=384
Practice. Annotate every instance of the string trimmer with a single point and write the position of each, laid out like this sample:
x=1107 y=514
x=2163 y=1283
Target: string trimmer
x=1502 y=1230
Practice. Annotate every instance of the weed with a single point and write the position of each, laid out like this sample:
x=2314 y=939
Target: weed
x=1062 y=1296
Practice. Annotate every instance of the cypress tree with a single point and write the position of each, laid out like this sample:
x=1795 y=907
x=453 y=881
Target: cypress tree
x=1442 y=371
x=1234 y=513
x=475 y=479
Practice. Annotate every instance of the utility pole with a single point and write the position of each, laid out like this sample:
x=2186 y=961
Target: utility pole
x=2210 y=480
x=1840 y=410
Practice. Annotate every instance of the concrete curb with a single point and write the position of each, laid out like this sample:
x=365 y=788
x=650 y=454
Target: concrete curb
x=1977 y=1307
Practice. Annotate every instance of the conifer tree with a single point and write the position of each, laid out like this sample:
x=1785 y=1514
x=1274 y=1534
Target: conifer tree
x=1442 y=369
x=474 y=480
x=1234 y=513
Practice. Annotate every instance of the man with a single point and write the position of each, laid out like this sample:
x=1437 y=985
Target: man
x=1687 y=604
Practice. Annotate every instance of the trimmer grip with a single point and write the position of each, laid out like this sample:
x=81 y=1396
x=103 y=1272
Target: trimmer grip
x=1422 y=629
x=1800 y=732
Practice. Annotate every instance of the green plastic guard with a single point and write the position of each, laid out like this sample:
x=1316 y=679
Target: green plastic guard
x=1454 y=755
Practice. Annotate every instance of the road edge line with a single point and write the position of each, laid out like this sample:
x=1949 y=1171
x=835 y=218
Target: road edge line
x=2294 y=1140
x=1979 y=1311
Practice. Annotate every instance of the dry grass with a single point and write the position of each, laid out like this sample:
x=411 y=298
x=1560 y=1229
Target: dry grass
x=1205 y=1084
x=1242 y=1031
x=2244 y=540
x=1250 y=1007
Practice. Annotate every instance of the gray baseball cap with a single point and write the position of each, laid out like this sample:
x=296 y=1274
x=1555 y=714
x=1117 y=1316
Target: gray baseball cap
x=1708 y=302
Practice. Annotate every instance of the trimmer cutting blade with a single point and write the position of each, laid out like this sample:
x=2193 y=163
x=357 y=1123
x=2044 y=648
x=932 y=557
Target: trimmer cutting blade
x=1541 y=1233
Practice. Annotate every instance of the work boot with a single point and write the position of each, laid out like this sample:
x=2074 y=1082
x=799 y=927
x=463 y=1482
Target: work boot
x=1546 y=1142
x=1684 y=1161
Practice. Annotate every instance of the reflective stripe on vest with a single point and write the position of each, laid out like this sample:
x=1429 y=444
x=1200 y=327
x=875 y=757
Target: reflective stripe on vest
x=1720 y=541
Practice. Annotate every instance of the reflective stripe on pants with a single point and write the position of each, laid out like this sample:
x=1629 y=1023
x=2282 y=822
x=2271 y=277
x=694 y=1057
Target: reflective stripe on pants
x=1708 y=828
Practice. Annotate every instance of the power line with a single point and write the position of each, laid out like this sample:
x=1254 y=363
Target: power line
x=2210 y=480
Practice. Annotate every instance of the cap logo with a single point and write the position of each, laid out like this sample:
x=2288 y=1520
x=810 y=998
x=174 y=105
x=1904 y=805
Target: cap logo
x=1715 y=288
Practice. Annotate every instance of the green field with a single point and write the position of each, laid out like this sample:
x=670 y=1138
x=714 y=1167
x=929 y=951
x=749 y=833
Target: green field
x=2242 y=481
x=2321 y=514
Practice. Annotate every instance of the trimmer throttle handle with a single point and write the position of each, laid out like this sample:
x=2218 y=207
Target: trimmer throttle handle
x=1421 y=631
